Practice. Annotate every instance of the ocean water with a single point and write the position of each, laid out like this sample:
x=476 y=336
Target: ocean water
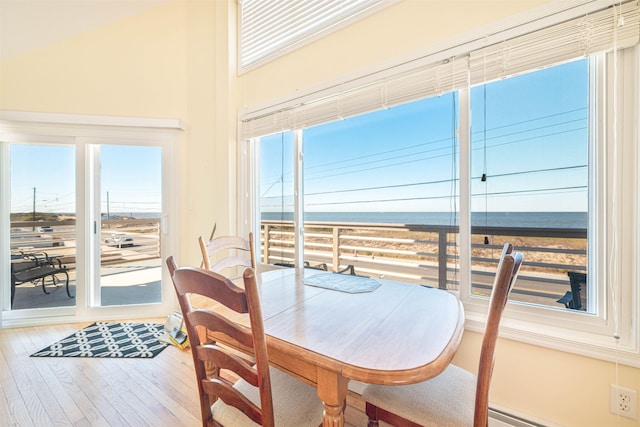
x=138 y=215
x=490 y=219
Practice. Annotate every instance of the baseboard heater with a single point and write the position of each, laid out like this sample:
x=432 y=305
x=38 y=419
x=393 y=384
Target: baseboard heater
x=510 y=420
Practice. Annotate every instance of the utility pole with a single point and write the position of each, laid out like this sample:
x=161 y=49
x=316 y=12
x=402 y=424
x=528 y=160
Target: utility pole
x=33 y=217
x=108 y=213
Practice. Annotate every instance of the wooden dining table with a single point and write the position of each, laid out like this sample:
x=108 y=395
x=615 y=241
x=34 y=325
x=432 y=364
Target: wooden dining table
x=398 y=333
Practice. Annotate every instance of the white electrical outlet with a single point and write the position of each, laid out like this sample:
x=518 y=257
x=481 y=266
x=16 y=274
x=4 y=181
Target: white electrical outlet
x=624 y=401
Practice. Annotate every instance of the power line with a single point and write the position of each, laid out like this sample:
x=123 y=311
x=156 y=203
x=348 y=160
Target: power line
x=381 y=153
x=560 y=168
x=381 y=187
x=442 y=181
x=534 y=120
x=383 y=166
x=447 y=139
x=445 y=147
x=402 y=199
x=442 y=148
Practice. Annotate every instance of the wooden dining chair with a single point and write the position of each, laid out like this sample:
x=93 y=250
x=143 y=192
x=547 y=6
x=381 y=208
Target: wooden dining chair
x=227 y=252
x=448 y=399
x=263 y=395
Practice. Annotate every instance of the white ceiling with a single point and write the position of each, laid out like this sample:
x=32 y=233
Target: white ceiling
x=31 y=24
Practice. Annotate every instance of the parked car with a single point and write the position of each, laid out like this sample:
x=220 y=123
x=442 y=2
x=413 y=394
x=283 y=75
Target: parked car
x=121 y=240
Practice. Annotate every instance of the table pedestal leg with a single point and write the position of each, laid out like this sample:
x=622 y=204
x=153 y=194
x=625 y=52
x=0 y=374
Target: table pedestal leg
x=332 y=390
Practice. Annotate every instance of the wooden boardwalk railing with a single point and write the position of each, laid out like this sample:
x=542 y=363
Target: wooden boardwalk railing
x=429 y=255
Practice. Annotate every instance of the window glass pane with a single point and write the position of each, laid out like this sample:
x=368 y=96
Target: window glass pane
x=381 y=193
x=43 y=226
x=131 y=208
x=529 y=181
x=276 y=199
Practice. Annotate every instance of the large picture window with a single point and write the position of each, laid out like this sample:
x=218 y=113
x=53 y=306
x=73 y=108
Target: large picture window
x=381 y=191
x=421 y=175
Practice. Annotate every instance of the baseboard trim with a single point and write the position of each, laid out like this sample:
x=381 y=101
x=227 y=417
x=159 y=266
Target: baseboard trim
x=505 y=419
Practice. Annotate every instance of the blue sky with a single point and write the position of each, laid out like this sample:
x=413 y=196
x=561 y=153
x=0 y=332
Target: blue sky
x=534 y=152
x=131 y=175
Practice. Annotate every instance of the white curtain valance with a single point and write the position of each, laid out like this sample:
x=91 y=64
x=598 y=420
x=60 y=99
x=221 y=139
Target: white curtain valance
x=614 y=27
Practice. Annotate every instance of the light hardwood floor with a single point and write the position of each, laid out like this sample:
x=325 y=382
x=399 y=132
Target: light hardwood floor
x=48 y=391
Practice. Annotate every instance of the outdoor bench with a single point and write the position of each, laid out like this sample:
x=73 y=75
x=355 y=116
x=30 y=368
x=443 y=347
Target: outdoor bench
x=34 y=267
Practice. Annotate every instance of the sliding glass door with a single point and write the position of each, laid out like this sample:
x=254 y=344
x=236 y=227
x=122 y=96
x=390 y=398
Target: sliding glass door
x=85 y=221
x=43 y=241
x=130 y=211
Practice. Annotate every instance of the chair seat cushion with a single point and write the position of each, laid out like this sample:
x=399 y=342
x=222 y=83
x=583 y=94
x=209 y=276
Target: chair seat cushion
x=446 y=400
x=295 y=403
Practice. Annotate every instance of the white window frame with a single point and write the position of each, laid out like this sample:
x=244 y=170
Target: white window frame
x=580 y=332
x=82 y=131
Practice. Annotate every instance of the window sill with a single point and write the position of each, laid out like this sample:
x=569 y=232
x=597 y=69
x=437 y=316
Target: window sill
x=595 y=345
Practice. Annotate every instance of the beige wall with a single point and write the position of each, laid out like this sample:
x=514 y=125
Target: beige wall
x=207 y=161
x=173 y=62
x=135 y=67
x=549 y=386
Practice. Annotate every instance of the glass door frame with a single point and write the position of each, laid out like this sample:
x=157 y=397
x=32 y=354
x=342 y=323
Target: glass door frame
x=83 y=131
x=93 y=196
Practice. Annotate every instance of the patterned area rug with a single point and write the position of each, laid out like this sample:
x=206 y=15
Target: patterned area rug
x=101 y=339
